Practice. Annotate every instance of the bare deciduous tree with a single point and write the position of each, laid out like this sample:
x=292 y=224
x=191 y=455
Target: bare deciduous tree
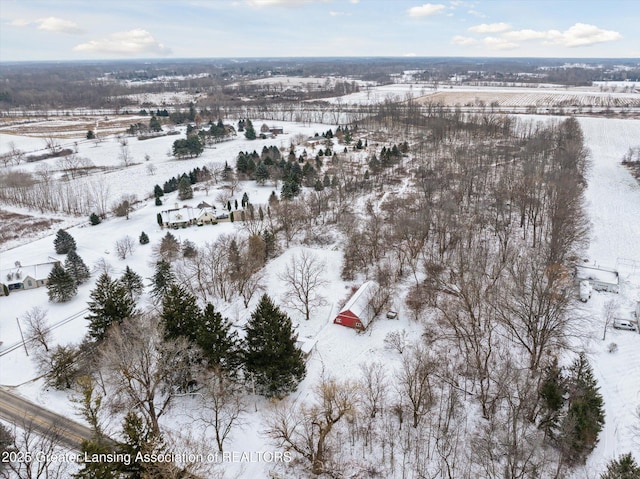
x=414 y=381
x=37 y=329
x=124 y=247
x=142 y=368
x=303 y=276
x=373 y=387
x=221 y=406
x=609 y=312
x=307 y=429
x=38 y=451
x=125 y=155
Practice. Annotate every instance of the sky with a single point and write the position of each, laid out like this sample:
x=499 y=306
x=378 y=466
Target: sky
x=34 y=30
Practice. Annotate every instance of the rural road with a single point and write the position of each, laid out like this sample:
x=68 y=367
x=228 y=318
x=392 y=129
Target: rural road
x=23 y=413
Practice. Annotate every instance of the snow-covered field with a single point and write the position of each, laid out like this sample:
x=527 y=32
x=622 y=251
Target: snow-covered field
x=613 y=204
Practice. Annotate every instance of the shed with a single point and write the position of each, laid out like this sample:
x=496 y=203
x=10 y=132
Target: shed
x=358 y=312
x=601 y=279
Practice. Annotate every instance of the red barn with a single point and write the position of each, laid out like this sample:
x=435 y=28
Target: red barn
x=357 y=313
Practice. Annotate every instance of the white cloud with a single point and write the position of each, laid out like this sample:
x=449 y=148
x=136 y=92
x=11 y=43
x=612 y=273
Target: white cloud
x=19 y=22
x=355 y=1
x=476 y=13
x=426 y=10
x=274 y=3
x=50 y=24
x=491 y=28
x=524 y=35
x=58 y=25
x=497 y=43
x=582 y=34
x=136 y=42
x=464 y=41
x=579 y=35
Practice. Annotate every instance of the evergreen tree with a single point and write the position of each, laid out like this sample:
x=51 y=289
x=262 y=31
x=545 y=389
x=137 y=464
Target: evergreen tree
x=162 y=279
x=262 y=173
x=185 y=191
x=552 y=392
x=63 y=242
x=110 y=303
x=271 y=355
x=61 y=285
x=625 y=467
x=97 y=469
x=154 y=124
x=585 y=415
x=158 y=201
x=76 y=267
x=250 y=132
x=94 y=219
x=245 y=200
x=144 y=239
x=132 y=283
x=180 y=313
x=157 y=191
x=326 y=181
x=169 y=247
x=63 y=367
x=220 y=345
x=90 y=135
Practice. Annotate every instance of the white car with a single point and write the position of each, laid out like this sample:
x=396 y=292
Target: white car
x=624 y=324
x=585 y=291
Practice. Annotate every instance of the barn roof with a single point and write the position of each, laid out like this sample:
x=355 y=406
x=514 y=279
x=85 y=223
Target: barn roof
x=358 y=304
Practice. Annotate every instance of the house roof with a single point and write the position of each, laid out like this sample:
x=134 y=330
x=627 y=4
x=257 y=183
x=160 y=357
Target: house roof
x=35 y=271
x=603 y=275
x=181 y=215
x=358 y=304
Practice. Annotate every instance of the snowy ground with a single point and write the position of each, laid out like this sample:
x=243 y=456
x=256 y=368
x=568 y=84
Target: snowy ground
x=613 y=204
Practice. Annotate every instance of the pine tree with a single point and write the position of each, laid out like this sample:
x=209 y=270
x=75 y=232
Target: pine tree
x=162 y=279
x=63 y=242
x=625 y=467
x=585 y=415
x=245 y=200
x=132 y=283
x=220 y=345
x=60 y=285
x=144 y=239
x=552 y=392
x=110 y=303
x=94 y=219
x=271 y=355
x=180 y=313
x=97 y=469
x=76 y=267
x=250 y=132
x=262 y=173
x=169 y=247
x=185 y=192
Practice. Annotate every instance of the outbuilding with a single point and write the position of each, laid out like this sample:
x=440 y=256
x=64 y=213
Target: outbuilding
x=358 y=312
x=600 y=279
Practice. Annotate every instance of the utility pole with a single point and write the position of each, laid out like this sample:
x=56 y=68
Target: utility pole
x=22 y=335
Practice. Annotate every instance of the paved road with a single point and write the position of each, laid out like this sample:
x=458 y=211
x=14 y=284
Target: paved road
x=23 y=413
